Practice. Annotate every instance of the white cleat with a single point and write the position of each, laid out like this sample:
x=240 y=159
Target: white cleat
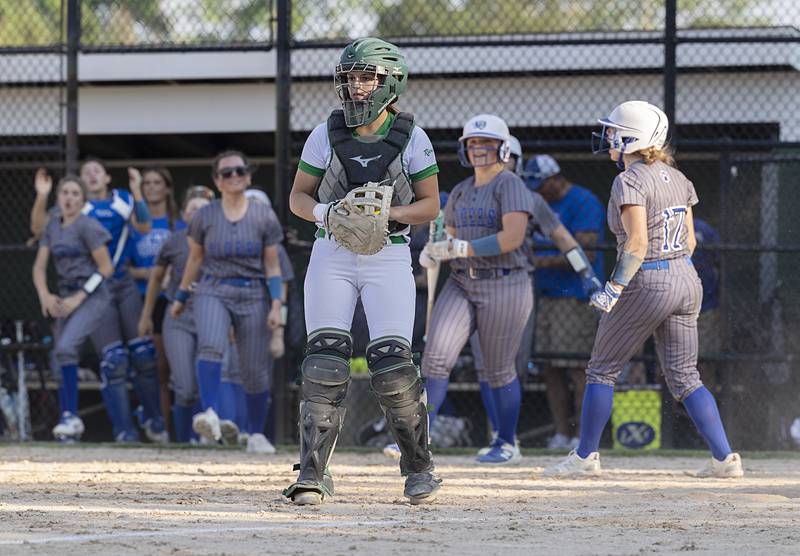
x=258 y=444
x=560 y=442
x=69 y=428
x=729 y=468
x=230 y=432
x=575 y=466
x=392 y=451
x=485 y=450
x=206 y=424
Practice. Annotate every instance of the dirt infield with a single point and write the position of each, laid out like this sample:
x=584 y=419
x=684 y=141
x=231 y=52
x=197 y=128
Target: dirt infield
x=109 y=500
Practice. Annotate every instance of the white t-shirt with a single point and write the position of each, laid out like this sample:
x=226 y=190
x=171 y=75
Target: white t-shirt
x=419 y=160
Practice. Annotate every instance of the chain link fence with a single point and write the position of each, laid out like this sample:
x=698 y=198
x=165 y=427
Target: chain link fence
x=725 y=72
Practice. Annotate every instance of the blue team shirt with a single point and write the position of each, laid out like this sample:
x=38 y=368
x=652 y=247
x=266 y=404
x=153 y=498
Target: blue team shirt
x=580 y=211
x=144 y=248
x=705 y=263
x=113 y=213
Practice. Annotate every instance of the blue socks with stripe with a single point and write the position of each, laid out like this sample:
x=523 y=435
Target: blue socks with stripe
x=488 y=405
x=597 y=402
x=257 y=411
x=702 y=408
x=507 y=401
x=209 y=380
x=436 y=390
x=69 y=389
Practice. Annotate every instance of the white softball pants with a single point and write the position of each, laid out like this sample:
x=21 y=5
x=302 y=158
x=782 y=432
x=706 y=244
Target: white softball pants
x=336 y=277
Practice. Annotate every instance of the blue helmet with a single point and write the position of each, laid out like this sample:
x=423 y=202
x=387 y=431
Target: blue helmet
x=539 y=168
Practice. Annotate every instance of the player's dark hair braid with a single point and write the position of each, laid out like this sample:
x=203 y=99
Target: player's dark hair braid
x=166 y=175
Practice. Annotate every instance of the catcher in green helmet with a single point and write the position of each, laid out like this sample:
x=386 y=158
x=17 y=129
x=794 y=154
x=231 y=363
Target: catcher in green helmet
x=370 y=75
x=365 y=176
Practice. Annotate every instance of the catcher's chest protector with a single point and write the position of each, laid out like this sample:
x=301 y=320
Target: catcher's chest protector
x=354 y=162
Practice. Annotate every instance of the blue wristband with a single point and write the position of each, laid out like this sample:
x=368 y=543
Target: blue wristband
x=275 y=285
x=182 y=296
x=486 y=246
x=141 y=211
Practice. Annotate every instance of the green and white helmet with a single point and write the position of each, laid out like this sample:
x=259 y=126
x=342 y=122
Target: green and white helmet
x=371 y=75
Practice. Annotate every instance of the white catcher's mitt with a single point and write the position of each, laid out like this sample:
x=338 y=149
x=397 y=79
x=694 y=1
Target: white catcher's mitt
x=360 y=221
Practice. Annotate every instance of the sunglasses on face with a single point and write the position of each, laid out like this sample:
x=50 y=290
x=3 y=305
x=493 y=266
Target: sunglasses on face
x=227 y=173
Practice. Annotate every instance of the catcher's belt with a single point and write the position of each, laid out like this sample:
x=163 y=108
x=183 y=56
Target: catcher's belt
x=390 y=240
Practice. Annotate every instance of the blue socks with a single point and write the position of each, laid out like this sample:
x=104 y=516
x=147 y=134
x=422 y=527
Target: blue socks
x=597 y=402
x=257 y=411
x=227 y=400
x=182 y=419
x=488 y=404
x=702 y=408
x=69 y=389
x=507 y=401
x=209 y=378
x=436 y=390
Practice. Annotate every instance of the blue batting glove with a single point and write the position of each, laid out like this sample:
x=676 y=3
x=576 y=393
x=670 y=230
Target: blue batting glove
x=606 y=298
x=590 y=284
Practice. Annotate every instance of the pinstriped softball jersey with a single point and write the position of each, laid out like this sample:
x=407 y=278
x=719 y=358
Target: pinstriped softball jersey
x=180 y=334
x=666 y=193
x=235 y=249
x=71 y=249
x=664 y=302
x=498 y=306
x=233 y=290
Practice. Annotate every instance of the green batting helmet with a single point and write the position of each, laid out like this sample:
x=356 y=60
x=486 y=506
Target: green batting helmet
x=378 y=62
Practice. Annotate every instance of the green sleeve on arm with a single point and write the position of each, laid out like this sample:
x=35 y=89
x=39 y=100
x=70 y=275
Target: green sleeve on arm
x=422 y=174
x=309 y=169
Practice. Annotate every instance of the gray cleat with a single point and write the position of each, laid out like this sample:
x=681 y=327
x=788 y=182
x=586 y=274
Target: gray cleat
x=421 y=488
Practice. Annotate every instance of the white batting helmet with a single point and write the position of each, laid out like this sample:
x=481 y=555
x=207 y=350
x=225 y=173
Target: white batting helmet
x=485 y=125
x=516 y=150
x=637 y=125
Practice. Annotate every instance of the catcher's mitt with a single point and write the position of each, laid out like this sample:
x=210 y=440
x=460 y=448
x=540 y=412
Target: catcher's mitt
x=360 y=221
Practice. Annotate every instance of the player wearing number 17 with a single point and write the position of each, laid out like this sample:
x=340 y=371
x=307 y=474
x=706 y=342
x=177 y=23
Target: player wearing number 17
x=653 y=289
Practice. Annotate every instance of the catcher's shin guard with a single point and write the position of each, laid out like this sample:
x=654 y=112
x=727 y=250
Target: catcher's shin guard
x=397 y=384
x=324 y=378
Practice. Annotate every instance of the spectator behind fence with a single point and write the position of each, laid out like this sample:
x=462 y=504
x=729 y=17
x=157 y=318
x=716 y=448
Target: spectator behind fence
x=565 y=322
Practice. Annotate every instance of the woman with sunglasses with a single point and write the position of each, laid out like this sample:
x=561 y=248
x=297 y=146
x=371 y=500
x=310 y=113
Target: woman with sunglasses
x=367 y=141
x=234 y=241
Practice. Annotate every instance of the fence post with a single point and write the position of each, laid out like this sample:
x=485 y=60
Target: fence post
x=283 y=150
x=73 y=46
x=283 y=139
x=670 y=68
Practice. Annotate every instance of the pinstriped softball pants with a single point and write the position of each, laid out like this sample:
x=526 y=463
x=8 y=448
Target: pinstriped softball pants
x=664 y=303
x=497 y=307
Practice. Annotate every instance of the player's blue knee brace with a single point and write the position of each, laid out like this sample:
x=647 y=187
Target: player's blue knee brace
x=396 y=381
x=145 y=378
x=114 y=389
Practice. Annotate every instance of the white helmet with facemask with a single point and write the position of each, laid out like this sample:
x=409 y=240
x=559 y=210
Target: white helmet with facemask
x=631 y=127
x=485 y=125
